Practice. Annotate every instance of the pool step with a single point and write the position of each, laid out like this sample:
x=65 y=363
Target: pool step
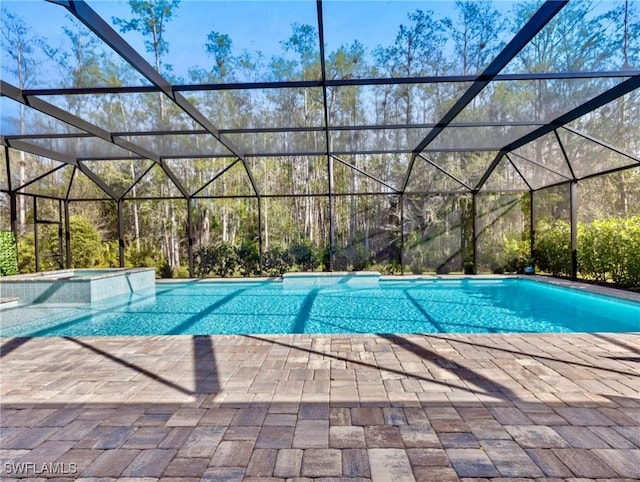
x=8 y=303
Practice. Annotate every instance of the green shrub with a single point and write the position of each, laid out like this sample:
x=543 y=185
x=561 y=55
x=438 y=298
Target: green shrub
x=325 y=257
x=340 y=259
x=607 y=249
x=225 y=259
x=220 y=259
x=110 y=255
x=26 y=254
x=359 y=258
x=598 y=249
x=8 y=254
x=515 y=256
x=415 y=265
x=165 y=271
x=304 y=255
x=248 y=256
x=277 y=261
x=203 y=260
x=86 y=243
x=181 y=272
x=146 y=256
x=631 y=243
x=553 y=247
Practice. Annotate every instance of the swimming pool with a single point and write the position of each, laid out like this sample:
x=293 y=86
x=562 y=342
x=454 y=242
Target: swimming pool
x=391 y=306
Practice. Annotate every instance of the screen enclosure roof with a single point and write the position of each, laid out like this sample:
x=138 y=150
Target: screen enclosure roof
x=414 y=97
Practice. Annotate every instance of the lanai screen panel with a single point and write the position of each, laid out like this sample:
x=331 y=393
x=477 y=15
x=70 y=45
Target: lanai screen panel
x=231 y=41
x=417 y=103
x=502 y=232
x=74 y=57
x=367 y=231
x=615 y=124
x=551 y=227
x=365 y=38
x=287 y=175
x=369 y=172
x=264 y=108
x=392 y=71
x=437 y=233
x=533 y=102
x=125 y=112
x=19 y=119
x=583 y=41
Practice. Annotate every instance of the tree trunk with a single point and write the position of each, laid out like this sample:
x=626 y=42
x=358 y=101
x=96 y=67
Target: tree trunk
x=136 y=221
x=23 y=175
x=175 y=243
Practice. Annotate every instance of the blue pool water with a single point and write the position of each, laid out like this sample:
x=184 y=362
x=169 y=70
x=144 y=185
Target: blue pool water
x=402 y=306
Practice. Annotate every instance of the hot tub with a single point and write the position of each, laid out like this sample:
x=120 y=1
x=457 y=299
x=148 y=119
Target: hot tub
x=76 y=285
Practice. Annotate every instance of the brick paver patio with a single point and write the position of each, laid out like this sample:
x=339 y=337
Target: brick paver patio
x=331 y=408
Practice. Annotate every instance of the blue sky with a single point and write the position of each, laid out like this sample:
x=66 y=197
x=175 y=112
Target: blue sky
x=257 y=25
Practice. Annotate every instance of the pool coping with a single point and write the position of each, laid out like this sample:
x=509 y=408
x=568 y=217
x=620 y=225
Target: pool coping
x=586 y=287
x=60 y=275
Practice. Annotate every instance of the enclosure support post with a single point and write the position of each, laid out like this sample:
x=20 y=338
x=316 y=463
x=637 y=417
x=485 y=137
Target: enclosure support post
x=60 y=234
x=120 y=234
x=189 y=238
x=35 y=233
x=260 y=247
x=13 y=209
x=474 y=231
x=402 y=234
x=67 y=235
x=13 y=204
x=573 y=196
x=531 y=226
x=332 y=225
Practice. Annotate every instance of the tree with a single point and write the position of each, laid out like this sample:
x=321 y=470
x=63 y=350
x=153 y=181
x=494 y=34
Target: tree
x=219 y=47
x=22 y=46
x=477 y=34
x=150 y=19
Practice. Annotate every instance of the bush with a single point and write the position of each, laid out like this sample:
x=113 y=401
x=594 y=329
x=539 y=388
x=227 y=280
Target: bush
x=340 y=259
x=515 y=256
x=203 y=260
x=165 y=271
x=553 y=247
x=8 y=254
x=598 y=251
x=110 y=254
x=220 y=259
x=86 y=243
x=276 y=261
x=87 y=247
x=611 y=247
x=303 y=254
x=607 y=248
x=225 y=259
x=416 y=265
x=26 y=254
x=360 y=258
x=248 y=257
x=181 y=272
x=146 y=256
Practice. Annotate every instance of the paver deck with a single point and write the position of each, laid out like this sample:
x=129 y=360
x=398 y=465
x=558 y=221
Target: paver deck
x=330 y=408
